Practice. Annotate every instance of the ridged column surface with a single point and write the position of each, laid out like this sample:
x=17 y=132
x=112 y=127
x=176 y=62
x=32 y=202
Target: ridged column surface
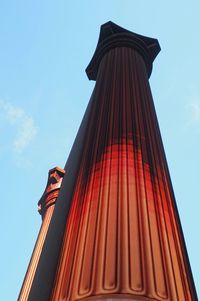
x=122 y=236
x=46 y=208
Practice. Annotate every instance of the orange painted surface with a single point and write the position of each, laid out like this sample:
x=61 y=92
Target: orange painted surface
x=122 y=235
x=46 y=207
x=35 y=256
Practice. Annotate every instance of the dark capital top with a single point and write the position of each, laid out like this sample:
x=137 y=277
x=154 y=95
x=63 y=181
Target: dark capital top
x=112 y=36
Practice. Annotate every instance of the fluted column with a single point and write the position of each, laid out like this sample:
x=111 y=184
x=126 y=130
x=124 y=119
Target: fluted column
x=123 y=237
x=115 y=232
x=45 y=207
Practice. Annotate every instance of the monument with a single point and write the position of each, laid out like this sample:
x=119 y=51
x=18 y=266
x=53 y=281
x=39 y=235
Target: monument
x=111 y=228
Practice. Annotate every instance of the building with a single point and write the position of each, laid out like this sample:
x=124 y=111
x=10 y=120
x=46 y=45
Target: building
x=110 y=226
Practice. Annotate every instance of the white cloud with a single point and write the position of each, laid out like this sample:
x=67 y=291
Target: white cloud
x=194 y=113
x=12 y=113
x=24 y=125
x=25 y=135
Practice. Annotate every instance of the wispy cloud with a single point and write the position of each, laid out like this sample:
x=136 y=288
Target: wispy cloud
x=195 y=112
x=25 y=135
x=193 y=109
x=24 y=125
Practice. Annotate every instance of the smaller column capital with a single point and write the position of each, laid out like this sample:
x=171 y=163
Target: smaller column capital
x=52 y=189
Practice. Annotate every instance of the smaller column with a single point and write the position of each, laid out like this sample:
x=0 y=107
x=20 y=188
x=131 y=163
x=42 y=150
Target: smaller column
x=45 y=207
x=51 y=192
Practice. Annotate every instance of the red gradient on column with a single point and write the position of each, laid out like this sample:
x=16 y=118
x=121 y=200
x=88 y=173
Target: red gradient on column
x=122 y=237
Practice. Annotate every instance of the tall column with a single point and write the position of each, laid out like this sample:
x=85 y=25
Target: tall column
x=123 y=237
x=45 y=207
x=115 y=231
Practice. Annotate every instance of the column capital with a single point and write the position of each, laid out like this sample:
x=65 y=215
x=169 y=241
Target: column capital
x=112 y=36
x=52 y=189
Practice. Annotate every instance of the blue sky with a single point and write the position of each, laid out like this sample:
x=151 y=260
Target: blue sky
x=45 y=47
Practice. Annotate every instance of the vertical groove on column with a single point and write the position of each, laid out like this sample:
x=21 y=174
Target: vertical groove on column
x=121 y=234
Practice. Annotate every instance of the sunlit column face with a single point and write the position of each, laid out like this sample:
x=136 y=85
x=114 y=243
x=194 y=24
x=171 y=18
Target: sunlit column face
x=115 y=232
x=121 y=234
x=118 y=299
